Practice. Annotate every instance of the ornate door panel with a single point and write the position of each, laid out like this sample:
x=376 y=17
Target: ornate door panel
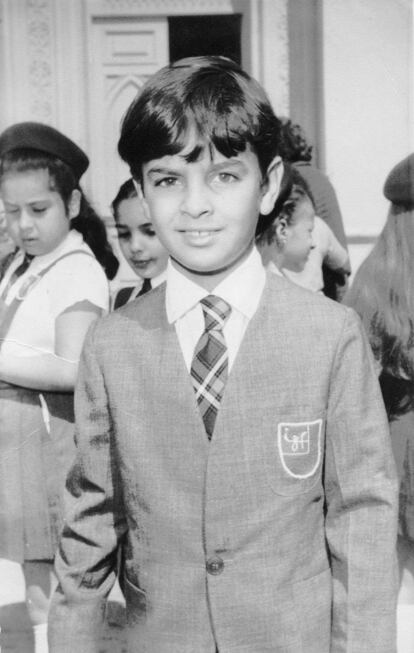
x=122 y=53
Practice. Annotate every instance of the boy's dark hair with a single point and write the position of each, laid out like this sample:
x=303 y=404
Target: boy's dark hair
x=63 y=180
x=213 y=95
x=125 y=192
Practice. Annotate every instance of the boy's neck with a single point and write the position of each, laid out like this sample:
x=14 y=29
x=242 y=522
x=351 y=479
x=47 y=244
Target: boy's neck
x=211 y=279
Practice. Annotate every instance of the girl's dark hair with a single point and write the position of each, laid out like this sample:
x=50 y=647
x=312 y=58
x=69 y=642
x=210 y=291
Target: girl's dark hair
x=293 y=144
x=125 y=192
x=63 y=181
x=293 y=190
x=213 y=96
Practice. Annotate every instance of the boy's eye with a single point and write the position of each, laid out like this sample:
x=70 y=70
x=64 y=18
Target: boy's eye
x=227 y=177
x=166 y=182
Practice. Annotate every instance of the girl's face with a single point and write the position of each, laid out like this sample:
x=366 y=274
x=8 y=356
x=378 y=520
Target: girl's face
x=36 y=216
x=298 y=240
x=138 y=240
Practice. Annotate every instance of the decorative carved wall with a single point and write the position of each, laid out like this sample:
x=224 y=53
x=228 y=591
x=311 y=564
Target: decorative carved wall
x=77 y=64
x=158 y=7
x=122 y=54
x=40 y=47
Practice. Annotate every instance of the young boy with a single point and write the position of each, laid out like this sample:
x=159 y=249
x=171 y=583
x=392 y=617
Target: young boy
x=139 y=243
x=232 y=442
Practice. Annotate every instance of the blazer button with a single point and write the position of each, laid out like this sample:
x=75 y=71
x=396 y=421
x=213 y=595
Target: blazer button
x=215 y=565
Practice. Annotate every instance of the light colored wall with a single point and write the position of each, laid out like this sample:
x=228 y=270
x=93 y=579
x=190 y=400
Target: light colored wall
x=368 y=75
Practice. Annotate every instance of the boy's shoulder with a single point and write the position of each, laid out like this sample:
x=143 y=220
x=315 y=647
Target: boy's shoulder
x=147 y=311
x=295 y=303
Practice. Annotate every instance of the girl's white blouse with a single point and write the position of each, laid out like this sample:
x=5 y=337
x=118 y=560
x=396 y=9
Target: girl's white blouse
x=75 y=279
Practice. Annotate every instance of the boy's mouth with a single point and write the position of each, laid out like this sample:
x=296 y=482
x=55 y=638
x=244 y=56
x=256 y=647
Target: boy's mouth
x=199 y=236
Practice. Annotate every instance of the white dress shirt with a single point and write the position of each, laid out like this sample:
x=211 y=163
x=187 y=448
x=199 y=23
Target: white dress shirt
x=242 y=289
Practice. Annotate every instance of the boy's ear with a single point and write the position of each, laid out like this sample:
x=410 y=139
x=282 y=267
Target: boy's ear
x=74 y=204
x=271 y=185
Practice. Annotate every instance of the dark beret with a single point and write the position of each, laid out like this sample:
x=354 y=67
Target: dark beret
x=36 y=136
x=399 y=185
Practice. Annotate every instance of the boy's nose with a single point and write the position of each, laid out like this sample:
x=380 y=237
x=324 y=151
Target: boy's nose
x=196 y=202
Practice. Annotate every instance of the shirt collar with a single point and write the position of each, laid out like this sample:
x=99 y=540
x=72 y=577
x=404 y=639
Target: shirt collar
x=73 y=240
x=159 y=279
x=242 y=289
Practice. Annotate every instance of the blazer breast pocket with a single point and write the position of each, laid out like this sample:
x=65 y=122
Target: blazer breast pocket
x=293 y=451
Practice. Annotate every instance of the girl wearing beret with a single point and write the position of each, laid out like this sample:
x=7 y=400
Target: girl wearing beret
x=383 y=294
x=54 y=288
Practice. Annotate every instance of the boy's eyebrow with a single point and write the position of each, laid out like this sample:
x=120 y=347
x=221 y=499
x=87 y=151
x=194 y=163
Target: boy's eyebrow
x=233 y=162
x=161 y=171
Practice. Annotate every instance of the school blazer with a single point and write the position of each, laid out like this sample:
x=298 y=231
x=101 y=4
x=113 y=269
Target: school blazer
x=276 y=536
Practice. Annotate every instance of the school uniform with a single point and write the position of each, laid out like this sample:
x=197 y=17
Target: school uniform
x=278 y=534
x=36 y=442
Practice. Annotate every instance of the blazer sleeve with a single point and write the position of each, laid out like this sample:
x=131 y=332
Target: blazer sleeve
x=361 y=502
x=86 y=560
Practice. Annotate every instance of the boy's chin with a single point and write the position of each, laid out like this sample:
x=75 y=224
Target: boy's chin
x=212 y=268
x=204 y=271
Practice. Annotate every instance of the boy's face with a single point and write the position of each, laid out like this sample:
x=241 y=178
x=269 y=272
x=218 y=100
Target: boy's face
x=138 y=240
x=205 y=212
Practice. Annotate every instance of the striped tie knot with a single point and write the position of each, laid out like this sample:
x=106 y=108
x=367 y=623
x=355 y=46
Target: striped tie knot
x=216 y=311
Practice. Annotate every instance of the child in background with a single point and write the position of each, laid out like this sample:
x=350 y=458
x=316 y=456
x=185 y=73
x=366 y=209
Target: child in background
x=382 y=293
x=298 y=243
x=138 y=242
x=232 y=441
x=53 y=289
x=296 y=150
x=7 y=247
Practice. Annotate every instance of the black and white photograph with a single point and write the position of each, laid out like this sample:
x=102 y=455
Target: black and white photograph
x=207 y=326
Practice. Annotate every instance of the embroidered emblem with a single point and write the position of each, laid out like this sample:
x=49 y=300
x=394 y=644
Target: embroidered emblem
x=299 y=445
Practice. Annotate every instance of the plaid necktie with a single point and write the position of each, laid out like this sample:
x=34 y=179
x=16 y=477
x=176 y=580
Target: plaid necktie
x=209 y=368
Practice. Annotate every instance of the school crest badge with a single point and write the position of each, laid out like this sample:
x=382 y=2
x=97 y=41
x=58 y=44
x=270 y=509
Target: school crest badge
x=299 y=445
